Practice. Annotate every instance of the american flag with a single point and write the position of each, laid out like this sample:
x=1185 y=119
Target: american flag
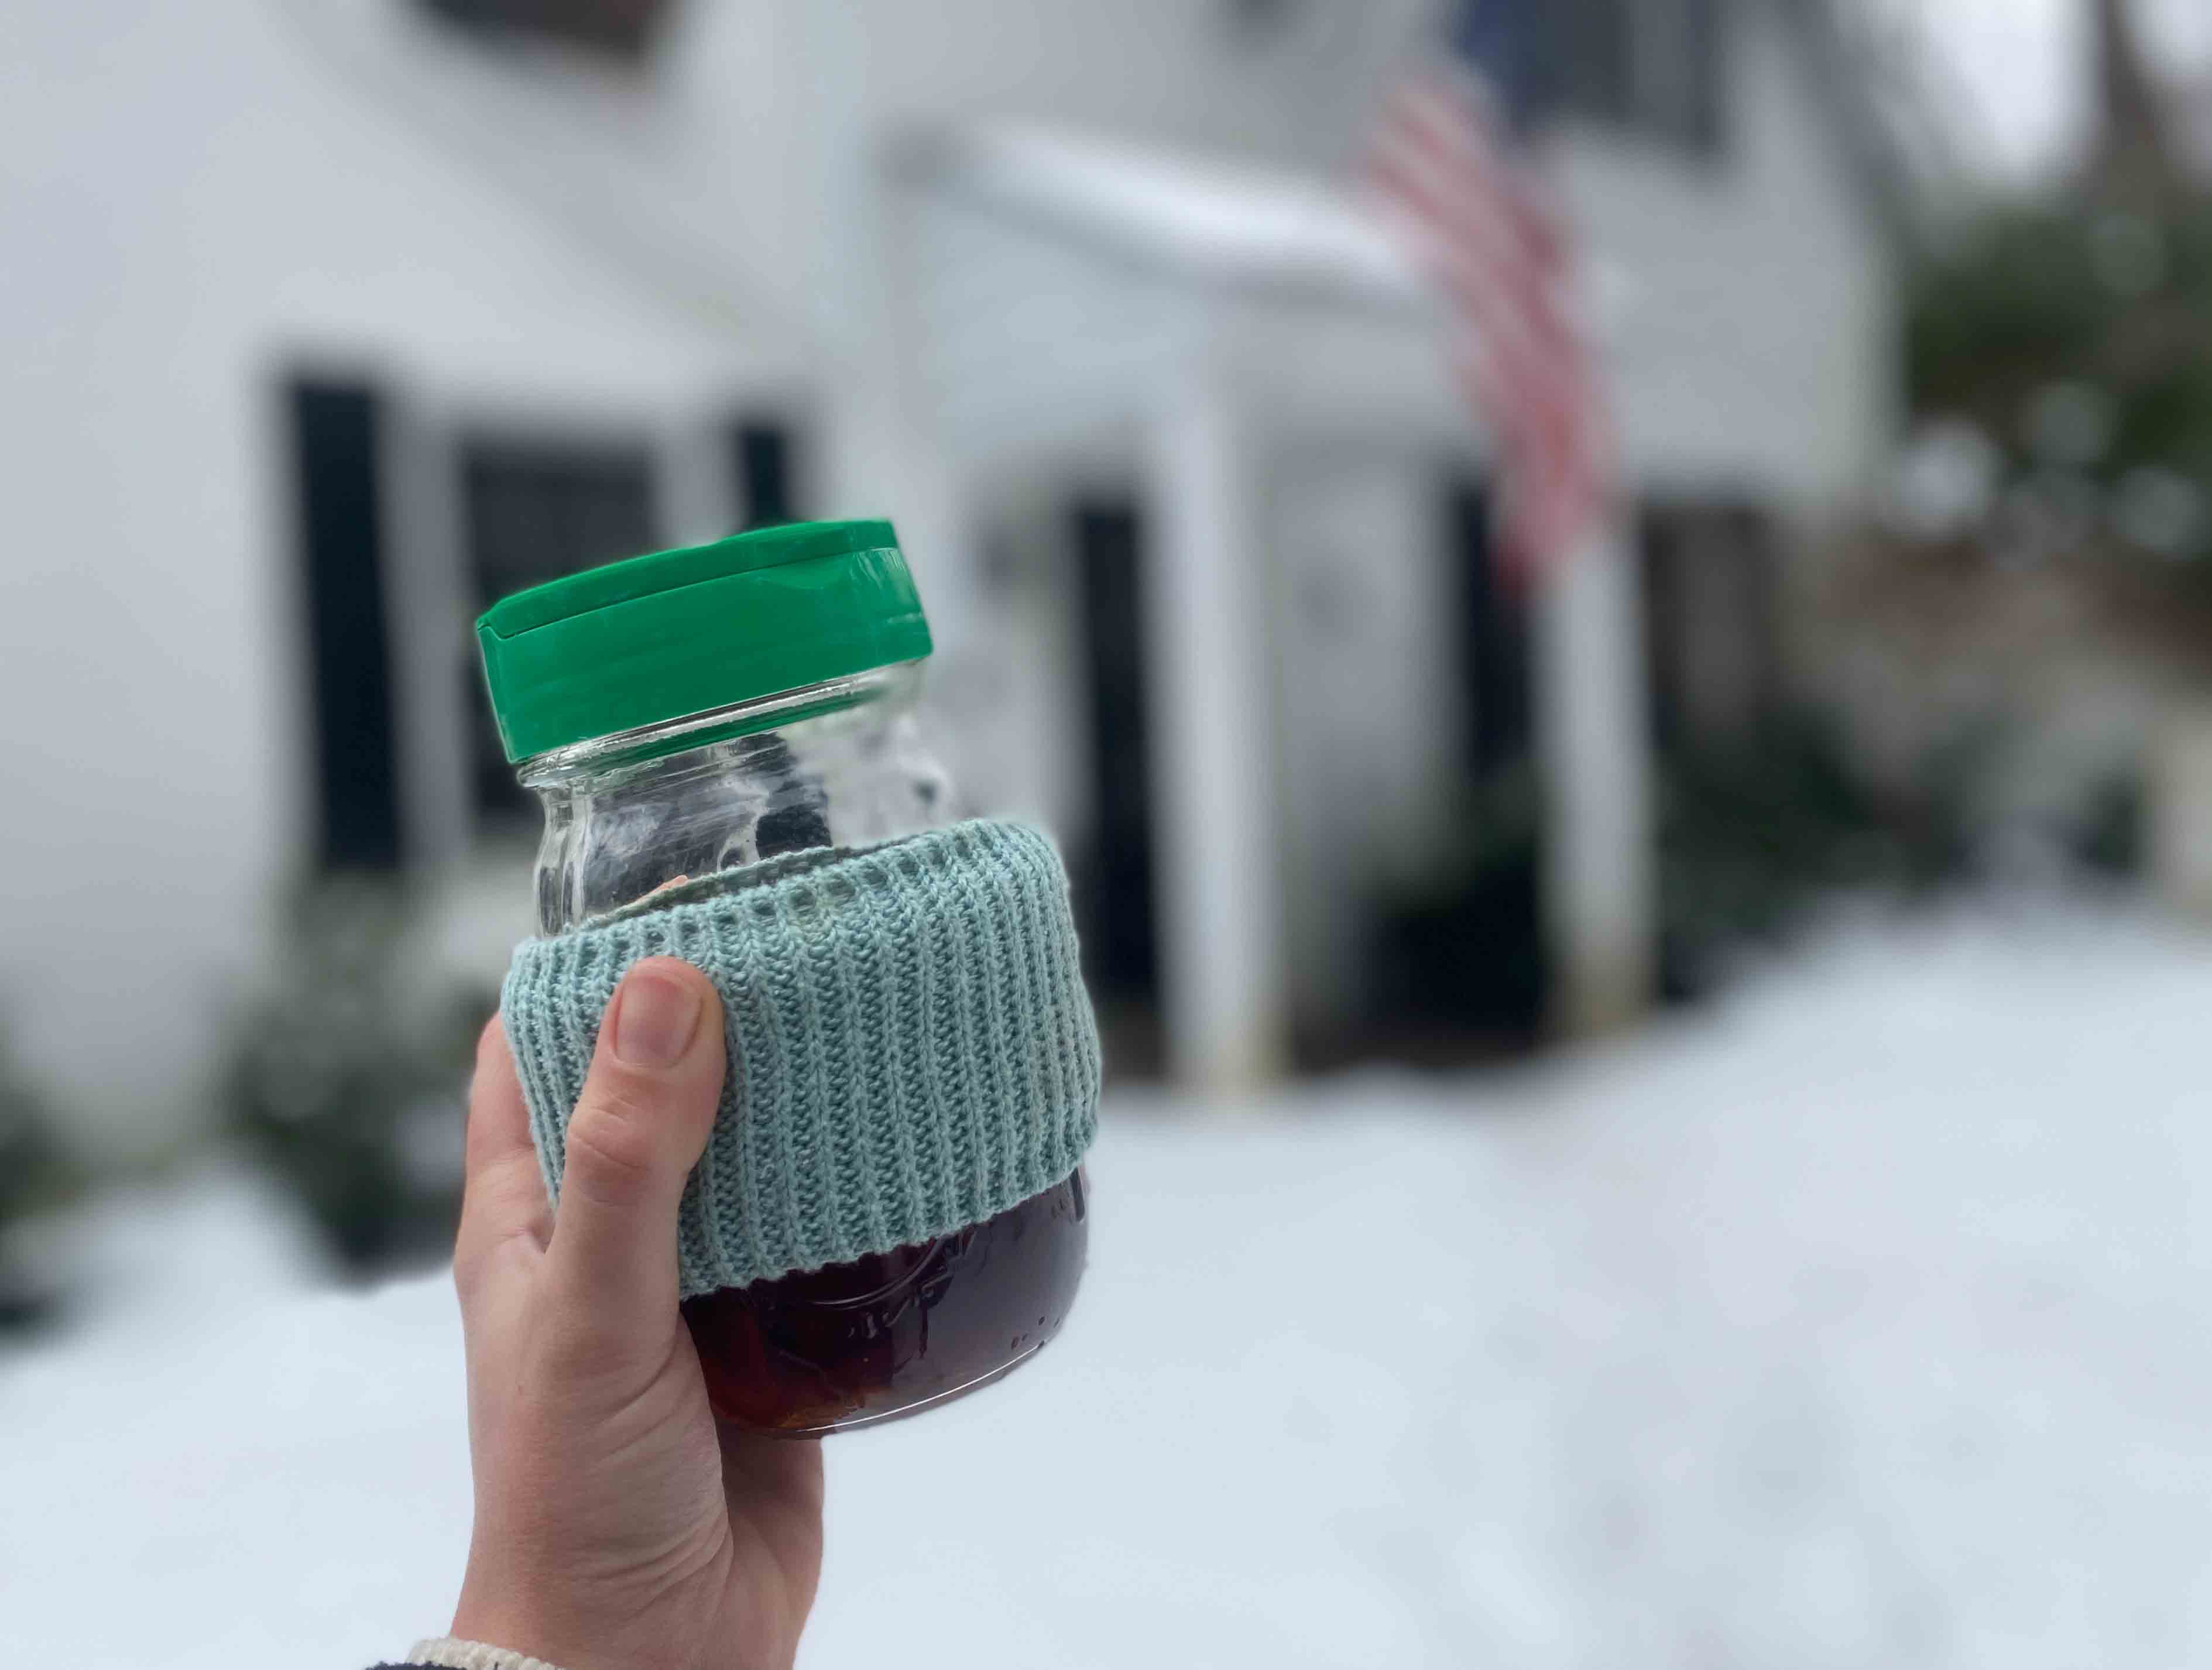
x=1453 y=161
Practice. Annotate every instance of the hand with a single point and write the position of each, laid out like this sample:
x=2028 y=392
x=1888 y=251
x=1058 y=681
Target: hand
x=617 y=1525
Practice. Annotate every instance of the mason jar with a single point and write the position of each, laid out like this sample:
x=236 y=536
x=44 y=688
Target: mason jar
x=687 y=713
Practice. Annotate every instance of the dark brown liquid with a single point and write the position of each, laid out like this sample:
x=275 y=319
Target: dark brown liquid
x=883 y=1336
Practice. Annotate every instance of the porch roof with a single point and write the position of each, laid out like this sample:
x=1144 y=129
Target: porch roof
x=1221 y=223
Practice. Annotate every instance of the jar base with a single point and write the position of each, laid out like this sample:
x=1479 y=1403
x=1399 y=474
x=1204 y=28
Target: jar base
x=857 y=1345
x=886 y=1416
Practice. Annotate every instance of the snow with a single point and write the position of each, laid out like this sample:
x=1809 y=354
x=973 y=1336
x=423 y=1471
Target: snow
x=1862 y=1319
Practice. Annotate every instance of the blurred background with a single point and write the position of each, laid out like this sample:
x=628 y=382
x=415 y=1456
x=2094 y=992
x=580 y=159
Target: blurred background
x=1653 y=1102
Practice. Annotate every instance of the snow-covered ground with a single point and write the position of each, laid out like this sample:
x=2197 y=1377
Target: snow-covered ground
x=1865 y=1320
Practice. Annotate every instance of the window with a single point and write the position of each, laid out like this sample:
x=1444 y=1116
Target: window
x=1254 y=22
x=397 y=781
x=1652 y=66
x=1678 y=70
x=620 y=29
x=1594 y=54
x=534 y=510
x=404 y=760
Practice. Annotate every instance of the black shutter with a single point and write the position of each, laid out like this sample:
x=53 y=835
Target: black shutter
x=765 y=465
x=335 y=431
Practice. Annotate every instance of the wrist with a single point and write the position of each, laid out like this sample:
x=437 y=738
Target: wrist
x=452 y=1652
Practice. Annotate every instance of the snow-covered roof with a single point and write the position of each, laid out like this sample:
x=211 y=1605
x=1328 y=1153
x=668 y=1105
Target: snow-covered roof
x=1221 y=223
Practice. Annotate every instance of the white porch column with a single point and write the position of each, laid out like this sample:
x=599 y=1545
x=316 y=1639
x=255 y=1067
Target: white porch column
x=881 y=454
x=1219 y=905
x=2180 y=822
x=1593 y=755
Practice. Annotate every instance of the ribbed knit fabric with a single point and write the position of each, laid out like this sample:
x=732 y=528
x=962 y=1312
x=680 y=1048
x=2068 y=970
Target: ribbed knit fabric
x=910 y=1048
x=444 y=1652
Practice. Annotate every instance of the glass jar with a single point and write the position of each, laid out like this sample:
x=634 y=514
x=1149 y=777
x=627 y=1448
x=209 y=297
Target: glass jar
x=832 y=760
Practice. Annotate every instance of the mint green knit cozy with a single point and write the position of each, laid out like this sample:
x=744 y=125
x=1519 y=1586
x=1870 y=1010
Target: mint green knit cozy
x=910 y=1048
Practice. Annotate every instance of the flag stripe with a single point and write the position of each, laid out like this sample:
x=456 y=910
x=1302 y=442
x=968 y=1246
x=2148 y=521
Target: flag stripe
x=1478 y=217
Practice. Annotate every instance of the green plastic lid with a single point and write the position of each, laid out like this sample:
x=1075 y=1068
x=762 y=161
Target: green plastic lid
x=687 y=631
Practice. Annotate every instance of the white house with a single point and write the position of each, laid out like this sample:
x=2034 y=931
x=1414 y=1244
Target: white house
x=323 y=322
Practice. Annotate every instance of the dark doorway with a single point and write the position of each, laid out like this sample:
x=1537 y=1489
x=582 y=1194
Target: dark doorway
x=1757 y=806
x=335 y=430
x=534 y=510
x=1459 y=962
x=1711 y=614
x=1494 y=632
x=1115 y=891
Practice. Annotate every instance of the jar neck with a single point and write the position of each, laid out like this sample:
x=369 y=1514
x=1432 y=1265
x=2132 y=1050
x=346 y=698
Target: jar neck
x=840 y=763
x=669 y=748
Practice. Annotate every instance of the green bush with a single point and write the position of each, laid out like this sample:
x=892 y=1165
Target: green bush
x=36 y=1175
x=349 y=1076
x=1752 y=835
x=2098 y=305
x=1462 y=948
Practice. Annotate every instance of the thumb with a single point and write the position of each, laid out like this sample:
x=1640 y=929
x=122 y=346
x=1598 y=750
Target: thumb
x=638 y=1127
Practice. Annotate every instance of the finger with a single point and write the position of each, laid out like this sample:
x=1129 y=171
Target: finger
x=503 y=1197
x=638 y=1127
